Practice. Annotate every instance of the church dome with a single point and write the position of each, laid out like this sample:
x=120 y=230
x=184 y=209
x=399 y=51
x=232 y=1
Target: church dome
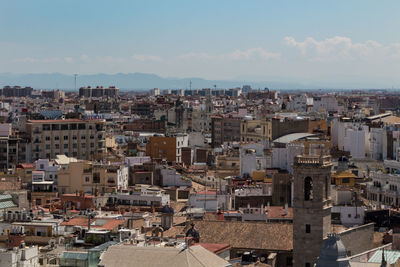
x=333 y=253
x=167 y=209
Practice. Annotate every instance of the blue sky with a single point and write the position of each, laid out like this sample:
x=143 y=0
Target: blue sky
x=350 y=41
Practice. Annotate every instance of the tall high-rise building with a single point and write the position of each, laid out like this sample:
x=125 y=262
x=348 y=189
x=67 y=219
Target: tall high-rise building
x=16 y=91
x=98 y=91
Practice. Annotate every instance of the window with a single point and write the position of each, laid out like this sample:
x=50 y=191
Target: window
x=83 y=137
x=65 y=145
x=74 y=137
x=87 y=179
x=308 y=228
x=83 y=145
x=46 y=127
x=308 y=188
x=308 y=264
x=74 y=145
x=47 y=146
x=346 y=180
x=57 y=146
x=47 y=138
x=65 y=137
x=56 y=138
x=96 y=177
x=91 y=144
x=349 y=215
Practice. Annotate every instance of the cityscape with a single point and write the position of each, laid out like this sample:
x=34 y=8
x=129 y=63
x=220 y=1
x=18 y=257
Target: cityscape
x=212 y=133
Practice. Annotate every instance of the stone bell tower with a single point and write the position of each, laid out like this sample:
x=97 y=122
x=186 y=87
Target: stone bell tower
x=311 y=207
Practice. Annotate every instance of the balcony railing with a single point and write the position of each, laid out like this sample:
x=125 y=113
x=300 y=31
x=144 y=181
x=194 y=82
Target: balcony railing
x=312 y=160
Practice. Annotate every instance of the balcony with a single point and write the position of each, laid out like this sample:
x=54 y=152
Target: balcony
x=313 y=160
x=386 y=177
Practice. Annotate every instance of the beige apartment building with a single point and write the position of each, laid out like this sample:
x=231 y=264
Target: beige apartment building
x=255 y=130
x=92 y=178
x=72 y=137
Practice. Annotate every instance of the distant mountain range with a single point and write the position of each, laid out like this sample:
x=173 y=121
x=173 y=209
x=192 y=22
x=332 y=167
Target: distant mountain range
x=144 y=81
x=130 y=81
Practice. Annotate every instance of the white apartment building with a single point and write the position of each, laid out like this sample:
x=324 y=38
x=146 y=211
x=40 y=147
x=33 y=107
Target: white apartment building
x=384 y=189
x=210 y=200
x=143 y=197
x=300 y=103
x=327 y=103
x=172 y=178
x=252 y=159
x=20 y=257
x=350 y=136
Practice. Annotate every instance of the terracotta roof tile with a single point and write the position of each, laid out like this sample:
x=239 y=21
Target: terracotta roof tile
x=249 y=235
x=214 y=248
x=77 y=221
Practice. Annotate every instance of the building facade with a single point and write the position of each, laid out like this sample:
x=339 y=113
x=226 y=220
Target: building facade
x=255 y=130
x=71 y=137
x=98 y=91
x=311 y=206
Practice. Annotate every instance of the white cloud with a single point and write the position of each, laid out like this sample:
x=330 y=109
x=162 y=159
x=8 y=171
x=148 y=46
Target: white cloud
x=249 y=54
x=24 y=60
x=85 y=58
x=68 y=59
x=196 y=56
x=146 y=58
x=37 y=60
x=252 y=53
x=339 y=48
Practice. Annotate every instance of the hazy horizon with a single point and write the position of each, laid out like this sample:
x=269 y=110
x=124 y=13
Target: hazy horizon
x=341 y=43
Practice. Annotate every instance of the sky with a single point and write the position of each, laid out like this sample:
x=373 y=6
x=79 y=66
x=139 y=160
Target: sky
x=347 y=41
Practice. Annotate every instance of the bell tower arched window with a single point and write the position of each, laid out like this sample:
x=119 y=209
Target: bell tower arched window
x=308 y=188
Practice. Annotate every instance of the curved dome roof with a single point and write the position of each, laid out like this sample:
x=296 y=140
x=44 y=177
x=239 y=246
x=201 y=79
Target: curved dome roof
x=167 y=209
x=333 y=253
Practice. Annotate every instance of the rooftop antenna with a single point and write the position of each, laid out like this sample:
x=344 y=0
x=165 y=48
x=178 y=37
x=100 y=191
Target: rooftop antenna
x=190 y=85
x=75 y=75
